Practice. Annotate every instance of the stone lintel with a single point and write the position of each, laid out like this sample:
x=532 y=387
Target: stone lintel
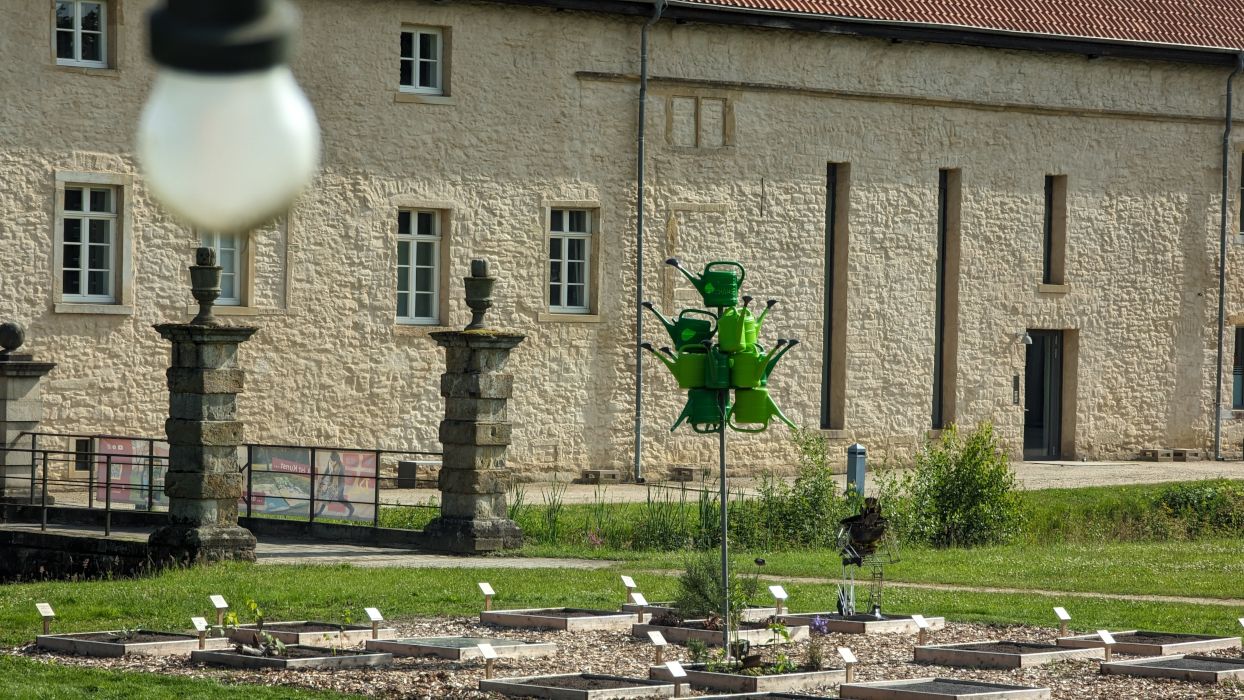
x=193 y=432
x=205 y=381
x=477 y=386
x=455 y=432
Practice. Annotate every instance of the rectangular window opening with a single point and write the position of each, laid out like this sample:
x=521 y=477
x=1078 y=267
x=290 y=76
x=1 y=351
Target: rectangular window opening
x=422 y=61
x=89 y=244
x=946 y=314
x=231 y=257
x=419 y=266
x=1055 y=234
x=81 y=33
x=570 y=257
x=833 y=363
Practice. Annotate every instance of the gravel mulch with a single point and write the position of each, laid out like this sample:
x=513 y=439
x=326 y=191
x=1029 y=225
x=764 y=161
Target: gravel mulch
x=881 y=657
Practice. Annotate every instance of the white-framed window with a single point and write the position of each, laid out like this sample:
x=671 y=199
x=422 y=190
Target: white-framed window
x=423 y=60
x=231 y=257
x=81 y=33
x=89 y=243
x=570 y=255
x=418 y=266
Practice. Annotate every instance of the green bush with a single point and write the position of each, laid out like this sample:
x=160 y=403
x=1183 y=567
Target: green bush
x=699 y=588
x=1206 y=509
x=962 y=492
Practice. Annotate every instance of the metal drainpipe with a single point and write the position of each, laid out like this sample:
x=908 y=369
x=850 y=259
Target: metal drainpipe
x=1222 y=257
x=658 y=7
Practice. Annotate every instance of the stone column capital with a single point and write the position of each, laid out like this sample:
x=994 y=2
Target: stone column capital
x=482 y=339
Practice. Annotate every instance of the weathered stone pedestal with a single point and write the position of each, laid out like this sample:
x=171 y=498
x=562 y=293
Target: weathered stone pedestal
x=203 y=482
x=474 y=436
x=21 y=410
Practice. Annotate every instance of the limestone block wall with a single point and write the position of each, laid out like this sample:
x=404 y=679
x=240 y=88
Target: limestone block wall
x=541 y=112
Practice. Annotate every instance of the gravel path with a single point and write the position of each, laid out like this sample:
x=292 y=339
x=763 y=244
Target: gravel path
x=881 y=657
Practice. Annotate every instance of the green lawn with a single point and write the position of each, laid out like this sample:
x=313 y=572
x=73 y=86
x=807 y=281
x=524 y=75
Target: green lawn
x=35 y=680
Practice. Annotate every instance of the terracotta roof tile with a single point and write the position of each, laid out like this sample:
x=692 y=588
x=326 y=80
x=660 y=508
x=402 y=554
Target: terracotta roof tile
x=1213 y=23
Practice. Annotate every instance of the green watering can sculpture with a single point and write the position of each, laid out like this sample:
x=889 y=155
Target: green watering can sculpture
x=702 y=412
x=686 y=329
x=737 y=329
x=687 y=366
x=718 y=286
x=752 y=368
x=754 y=407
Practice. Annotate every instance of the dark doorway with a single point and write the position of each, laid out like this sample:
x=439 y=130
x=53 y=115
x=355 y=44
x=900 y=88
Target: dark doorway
x=1043 y=395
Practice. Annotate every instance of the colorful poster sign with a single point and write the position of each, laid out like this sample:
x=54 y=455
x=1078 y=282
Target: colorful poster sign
x=281 y=483
x=138 y=467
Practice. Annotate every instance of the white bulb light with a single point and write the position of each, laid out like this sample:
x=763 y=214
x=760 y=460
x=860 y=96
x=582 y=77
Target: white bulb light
x=228 y=152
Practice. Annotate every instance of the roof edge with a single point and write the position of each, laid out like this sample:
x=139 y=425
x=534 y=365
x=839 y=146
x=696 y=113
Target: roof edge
x=898 y=31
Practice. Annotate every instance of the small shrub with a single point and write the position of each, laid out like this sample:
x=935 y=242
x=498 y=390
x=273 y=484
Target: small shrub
x=963 y=492
x=1206 y=509
x=699 y=588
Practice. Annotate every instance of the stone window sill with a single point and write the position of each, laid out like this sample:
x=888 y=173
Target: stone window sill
x=103 y=309
x=87 y=70
x=544 y=317
x=1053 y=288
x=419 y=98
x=835 y=434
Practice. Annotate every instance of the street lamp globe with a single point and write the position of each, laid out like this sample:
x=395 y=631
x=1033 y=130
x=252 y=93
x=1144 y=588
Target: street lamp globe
x=227 y=139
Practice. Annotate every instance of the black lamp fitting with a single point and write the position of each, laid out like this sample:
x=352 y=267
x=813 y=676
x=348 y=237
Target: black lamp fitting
x=222 y=36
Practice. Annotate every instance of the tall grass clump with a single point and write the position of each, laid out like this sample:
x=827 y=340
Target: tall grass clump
x=961 y=491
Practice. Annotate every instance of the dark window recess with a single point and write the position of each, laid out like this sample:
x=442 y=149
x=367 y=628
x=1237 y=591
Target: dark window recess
x=1047 y=258
x=1237 y=371
x=82 y=454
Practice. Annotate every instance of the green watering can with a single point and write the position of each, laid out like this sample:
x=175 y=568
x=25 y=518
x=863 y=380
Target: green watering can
x=686 y=329
x=719 y=287
x=755 y=407
x=752 y=368
x=716 y=367
x=703 y=412
x=737 y=329
x=687 y=366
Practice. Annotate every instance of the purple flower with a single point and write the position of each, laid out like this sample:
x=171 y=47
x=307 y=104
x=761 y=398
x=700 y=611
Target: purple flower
x=819 y=625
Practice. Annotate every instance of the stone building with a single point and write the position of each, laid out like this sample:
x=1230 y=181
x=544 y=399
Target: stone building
x=925 y=189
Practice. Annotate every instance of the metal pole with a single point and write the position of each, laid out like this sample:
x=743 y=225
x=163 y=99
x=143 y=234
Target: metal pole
x=311 y=510
x=722 y=397
x=250 y=479
x=108 y=497
x=150 y=475
x=90 y=479
x=33 y=466
x=43 y=515
x=375 y=513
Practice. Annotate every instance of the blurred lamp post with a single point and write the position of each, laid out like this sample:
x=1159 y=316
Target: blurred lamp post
x=227 y=139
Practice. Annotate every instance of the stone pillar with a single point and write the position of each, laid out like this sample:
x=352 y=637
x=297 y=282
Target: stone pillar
x=475 y=432
x=203 y=483
x=21 y=410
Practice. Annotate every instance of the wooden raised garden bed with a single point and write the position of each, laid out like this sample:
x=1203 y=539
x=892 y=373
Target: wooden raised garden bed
x=863 y=623
x=566 y=619
x=940 y=689
x=124 y=642
x=1003 y=654
x=702 y=679
x=757 y=634
x=1201 y=669
x=578 y=686
x=1142 y=643
x=752 y=613
x=295 y=657
x=310 y=632
x=459 y=648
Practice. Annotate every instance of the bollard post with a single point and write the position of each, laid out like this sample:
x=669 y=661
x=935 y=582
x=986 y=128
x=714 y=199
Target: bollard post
x=857 y=459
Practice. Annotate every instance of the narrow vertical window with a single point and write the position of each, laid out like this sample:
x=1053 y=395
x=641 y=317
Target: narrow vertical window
x=422 y=61
x=1237 y=371
x=1055 y=234
x=88 y=240
x=81 y=33
x=946 y=315
x=1242 y=195
x=833 y=363
x=418 y=266
x=230 y=256
x=570 y=242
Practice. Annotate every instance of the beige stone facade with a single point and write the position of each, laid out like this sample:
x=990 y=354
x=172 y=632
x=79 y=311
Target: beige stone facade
x=742 y=124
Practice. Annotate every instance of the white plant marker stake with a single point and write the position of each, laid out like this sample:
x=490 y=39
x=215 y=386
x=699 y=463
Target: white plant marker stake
x=46 y=612
x=486 y=589
x=490 y=655
x=848 y=657
x=658 y=641
x=629 y=583
x=200 y=626
x=376 y=618
x=1063 y=617
x=1108 y=639
x=639 y=599
x=676 y=670
x=922 y=629
x=218 y=602
x=779 y=598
